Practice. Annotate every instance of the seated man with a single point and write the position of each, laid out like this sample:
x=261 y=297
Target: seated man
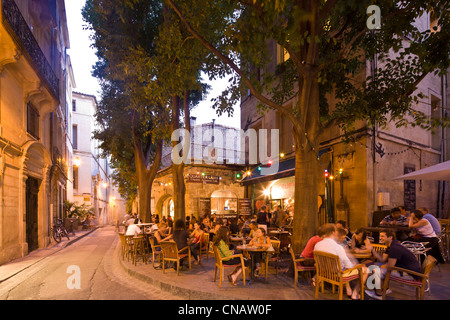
x=395 y=255
x=329 y=244
x=395 y=219
x=133 y=229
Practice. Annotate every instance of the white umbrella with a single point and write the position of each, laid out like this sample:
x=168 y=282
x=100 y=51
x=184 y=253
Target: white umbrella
x=440 y=171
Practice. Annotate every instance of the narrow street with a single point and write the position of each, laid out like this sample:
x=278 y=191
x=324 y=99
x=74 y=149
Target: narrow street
x=100 y=275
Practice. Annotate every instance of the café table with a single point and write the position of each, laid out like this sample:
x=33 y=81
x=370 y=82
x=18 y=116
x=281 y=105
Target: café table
x=240 y=239
x=362 y=256
x=251 y=250
x=144 y=225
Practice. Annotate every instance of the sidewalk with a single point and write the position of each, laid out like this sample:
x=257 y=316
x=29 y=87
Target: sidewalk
x=14 y=267
x=198 y=283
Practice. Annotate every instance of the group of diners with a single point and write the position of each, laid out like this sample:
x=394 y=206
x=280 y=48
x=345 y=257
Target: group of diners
x=336 y=239
x=424 y=227
x=191 y=234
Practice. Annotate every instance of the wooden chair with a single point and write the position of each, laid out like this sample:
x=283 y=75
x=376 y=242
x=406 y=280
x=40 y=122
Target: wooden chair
x=219 y=265
x=204 y=246
x=156 y=252
x=123 y=245
x=273 y=257
x=129 y=246
x=328 y=269
x=210 y=248
x=379 y=248
x=298 y=265
x=139 y=249
x=171 y=253
x=419 y=284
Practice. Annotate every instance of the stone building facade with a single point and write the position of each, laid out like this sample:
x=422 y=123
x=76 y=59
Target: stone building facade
x=34 y=69
x=91 y=183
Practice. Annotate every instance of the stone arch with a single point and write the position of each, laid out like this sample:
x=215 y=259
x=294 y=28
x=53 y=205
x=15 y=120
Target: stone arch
x=159 y=208
x=36 y=159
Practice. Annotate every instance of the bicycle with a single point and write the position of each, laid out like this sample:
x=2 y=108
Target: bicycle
x=58 y=231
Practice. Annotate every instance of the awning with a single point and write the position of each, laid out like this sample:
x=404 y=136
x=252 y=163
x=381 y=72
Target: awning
x=438 y=172
x=286 y=169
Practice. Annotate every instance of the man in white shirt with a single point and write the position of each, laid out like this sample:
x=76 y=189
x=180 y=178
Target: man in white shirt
x=330 y=245
x=133 y=229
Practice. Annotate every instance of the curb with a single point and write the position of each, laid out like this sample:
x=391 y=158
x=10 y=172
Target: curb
x=186 y=293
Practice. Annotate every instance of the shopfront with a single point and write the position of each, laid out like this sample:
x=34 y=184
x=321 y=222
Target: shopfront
x=209 y=190
x=273 y=190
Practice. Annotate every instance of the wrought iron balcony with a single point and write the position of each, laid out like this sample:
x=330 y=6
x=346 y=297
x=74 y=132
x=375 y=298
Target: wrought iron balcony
x=12 y=17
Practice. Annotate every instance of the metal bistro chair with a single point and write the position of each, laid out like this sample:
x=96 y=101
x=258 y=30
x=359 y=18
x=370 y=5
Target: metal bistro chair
x=328 y=269
x=299 y=267
x=445 y=238
x=171 y=253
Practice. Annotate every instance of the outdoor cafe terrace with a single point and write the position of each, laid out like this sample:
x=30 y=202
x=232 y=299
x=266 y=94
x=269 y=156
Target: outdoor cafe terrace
x=199 y=281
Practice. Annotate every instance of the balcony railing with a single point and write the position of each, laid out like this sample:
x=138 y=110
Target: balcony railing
x=25 y=38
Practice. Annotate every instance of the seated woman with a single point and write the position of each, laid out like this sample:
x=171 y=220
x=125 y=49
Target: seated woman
x=196 y=238
x=424 y=233
x=222 y=243
x=160 y=234
x=262 y=241
x=357 y=244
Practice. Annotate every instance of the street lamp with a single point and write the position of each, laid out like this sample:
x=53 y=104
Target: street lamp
x=76 y=162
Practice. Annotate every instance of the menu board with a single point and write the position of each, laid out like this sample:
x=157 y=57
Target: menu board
x=410 y=191
x=245 y=206
x=204 y=206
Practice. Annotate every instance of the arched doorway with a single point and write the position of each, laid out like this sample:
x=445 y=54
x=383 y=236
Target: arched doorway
x=168 y=208
x=165 y=206
x=36 y=162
